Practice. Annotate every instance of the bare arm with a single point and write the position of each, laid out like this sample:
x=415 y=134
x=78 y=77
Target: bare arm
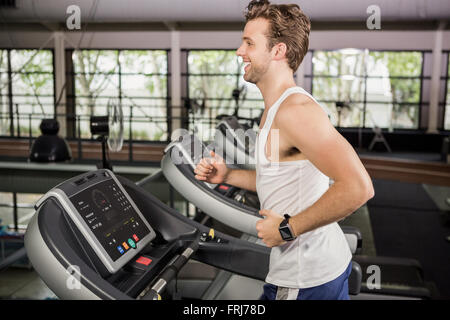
x=244 y=179
x=332 y=155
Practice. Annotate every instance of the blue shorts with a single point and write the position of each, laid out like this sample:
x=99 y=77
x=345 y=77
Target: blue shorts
x=336 y=289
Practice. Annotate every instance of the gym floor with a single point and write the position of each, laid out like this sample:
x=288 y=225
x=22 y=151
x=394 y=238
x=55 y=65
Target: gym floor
x=23 y=284
x=410 y=220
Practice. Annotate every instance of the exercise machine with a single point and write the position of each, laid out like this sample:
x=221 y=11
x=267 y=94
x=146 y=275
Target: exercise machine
x=122 y=243
x=100 y=236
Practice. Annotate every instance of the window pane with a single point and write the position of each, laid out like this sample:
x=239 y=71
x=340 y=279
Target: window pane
x=149 y=121
x=251 y=109
x=348 y=116
x=32 y=89
x=218 y=87
x=94 y=91
x=339 y=63
x=393 y=116
x=143 y=61
x=213 y=61
x=143 y=86
x=4 y=116
x=338 y=89
x=95 y=61
x=394 y=64
x=145 y=128
x=393 y=90
x=379 y=115
x=405 y=90
x=405 y=116
x=31 y=61
x=3 y=60
x=4 y=102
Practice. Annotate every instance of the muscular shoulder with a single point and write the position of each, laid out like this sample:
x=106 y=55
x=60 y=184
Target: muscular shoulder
x=298 y=109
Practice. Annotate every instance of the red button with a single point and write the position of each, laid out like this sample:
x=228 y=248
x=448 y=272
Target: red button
x=223 y=187
x=135 y=238
x=143 y=260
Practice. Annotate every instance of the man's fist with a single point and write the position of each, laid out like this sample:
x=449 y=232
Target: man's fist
x=212 y=170
x=268 y=228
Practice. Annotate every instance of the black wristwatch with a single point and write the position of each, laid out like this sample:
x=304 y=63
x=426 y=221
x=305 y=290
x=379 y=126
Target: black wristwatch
x=285 y=229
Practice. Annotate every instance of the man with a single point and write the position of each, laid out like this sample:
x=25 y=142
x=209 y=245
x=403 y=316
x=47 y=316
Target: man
x=297 y=152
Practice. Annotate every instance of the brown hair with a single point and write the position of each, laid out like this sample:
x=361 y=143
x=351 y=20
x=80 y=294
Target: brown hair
x=288 y=24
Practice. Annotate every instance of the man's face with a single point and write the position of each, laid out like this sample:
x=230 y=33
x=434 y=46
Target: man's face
x=253 y=50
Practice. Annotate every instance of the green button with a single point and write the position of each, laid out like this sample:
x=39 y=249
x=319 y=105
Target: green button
x=132 y=244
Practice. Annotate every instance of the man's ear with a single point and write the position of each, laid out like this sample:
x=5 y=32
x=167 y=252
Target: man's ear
x=279 y=51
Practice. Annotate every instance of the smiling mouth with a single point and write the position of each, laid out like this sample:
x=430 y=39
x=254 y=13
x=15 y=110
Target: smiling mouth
x=247 y=66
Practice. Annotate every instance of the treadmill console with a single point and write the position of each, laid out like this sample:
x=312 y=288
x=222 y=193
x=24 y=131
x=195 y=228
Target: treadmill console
x=106 y=216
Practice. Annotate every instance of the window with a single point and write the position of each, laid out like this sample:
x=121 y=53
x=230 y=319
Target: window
x=136 y=79
x=26 y=91
x=378 y=88
x=211 y=76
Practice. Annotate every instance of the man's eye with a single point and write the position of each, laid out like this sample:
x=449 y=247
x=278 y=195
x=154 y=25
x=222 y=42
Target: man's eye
x=249 y=44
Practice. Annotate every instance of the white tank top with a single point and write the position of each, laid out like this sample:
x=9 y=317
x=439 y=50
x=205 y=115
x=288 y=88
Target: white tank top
x=315 y=257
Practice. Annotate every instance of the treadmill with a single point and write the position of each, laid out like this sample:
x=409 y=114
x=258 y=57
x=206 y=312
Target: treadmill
x=100 y=236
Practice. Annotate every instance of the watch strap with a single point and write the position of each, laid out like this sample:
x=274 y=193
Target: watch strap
x=285 y=224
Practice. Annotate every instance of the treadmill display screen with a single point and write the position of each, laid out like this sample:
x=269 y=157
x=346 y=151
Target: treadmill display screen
x=111 y=217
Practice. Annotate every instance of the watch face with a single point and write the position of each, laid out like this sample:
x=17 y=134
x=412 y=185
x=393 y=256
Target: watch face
x=285 y=233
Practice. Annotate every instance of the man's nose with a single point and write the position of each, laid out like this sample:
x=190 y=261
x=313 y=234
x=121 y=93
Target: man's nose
x=240 y=51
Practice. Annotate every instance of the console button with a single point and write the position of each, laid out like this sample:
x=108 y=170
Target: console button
x=131 y=243
x=143 y=260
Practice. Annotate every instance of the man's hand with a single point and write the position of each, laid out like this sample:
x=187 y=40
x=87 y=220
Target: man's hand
x=212 y=170
x=268 y=228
